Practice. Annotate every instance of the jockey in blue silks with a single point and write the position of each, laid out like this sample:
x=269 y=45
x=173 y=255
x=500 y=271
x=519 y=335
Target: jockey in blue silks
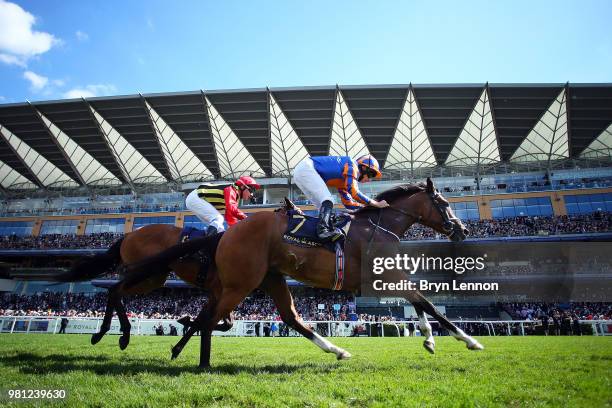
x=315 y=174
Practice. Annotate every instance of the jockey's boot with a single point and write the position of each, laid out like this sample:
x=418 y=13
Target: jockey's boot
x=325 y=230
x=211 y=230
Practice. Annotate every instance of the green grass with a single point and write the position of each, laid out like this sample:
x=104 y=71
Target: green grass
x=512 y=371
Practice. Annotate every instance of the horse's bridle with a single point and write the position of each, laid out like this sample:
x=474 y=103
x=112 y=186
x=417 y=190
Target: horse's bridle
x=450 y=228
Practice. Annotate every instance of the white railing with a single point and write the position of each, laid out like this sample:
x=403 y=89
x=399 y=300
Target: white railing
x=242 y=328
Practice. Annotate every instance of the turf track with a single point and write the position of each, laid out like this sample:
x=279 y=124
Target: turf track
x=512 y=371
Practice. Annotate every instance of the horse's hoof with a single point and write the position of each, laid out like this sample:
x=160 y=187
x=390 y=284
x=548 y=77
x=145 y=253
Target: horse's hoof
x=123 y=342
x=344 y=355
x=475 y=346
x=175 y=352
x=430 y=346
x=96 y=337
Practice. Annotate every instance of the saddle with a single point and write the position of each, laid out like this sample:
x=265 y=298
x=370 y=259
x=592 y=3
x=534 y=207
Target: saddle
x=302 y=228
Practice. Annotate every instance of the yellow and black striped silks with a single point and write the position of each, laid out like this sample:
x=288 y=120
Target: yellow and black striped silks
x=213 y=194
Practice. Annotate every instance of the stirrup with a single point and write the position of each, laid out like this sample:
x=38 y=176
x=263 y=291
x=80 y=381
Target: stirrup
x=324 y=232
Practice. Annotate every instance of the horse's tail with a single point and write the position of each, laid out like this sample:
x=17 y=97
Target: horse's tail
x=93 y=266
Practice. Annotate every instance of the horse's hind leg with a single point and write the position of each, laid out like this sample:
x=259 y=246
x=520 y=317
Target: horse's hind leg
x=130 y=285
x=126 y=327
x=114 y=303
x=276 y=286
x=228 y=323
x=429 y=342
x=108 y=317
x=195 y=325
x=418 y=298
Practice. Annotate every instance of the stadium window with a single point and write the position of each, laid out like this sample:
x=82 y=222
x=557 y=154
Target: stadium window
x=466 y=210
x=195 y=222
x=588 y=203
x=19 y=228
x=64 y=227
x=518 y=207
x=142 y=221
x=99 y=225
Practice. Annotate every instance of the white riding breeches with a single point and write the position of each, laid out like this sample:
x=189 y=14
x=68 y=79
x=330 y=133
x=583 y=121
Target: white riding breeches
x=204 y=211
x=311 y=183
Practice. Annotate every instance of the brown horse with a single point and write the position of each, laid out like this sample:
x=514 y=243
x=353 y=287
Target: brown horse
x=125 y=255
x=252 y=254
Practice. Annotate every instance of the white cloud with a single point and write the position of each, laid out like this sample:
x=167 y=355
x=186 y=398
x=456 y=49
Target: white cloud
x=81 y=36
x=12 y=60
x=18 y=42
x=2 y=98
x=37 y=82
x=90 y=91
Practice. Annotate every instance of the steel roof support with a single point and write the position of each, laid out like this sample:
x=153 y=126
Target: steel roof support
x=116 y=155
x=555 y=129
x=161 y=143
x=215 y=132
x=61 y=149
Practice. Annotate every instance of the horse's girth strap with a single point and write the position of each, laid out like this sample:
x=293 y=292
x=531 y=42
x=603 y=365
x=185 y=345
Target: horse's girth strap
x=339 y=278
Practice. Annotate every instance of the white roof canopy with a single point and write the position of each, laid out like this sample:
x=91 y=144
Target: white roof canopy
x=548 y=139
x=45 y=172
x=10 y=177
x=346 y=139
x=287 y=148
x=132 y=163
x=233 y=157
x=410 y=147
x=600 y=147
x=184 y=165
x=477 y=143
x=89 y=169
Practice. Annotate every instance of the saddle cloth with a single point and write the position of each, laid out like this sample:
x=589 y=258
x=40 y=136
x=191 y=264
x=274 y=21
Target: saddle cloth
x=302 y=231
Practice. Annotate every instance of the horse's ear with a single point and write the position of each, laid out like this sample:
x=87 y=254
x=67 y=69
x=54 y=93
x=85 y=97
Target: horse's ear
x=430 y=186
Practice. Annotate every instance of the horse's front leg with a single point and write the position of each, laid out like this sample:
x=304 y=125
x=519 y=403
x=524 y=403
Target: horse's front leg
x=429 y=343
x=417 y=298
x=276 y=287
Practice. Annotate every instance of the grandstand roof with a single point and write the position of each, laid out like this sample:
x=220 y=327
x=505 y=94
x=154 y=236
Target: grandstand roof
x=205 y=135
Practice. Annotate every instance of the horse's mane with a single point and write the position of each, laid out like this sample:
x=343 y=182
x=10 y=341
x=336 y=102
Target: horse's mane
x=394 y=193
x=401 y=191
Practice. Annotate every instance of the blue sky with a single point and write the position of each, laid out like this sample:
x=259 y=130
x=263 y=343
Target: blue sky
x=58 y=49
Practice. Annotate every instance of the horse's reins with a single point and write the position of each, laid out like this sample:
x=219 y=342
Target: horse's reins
x=377 y=225
x=448 y=224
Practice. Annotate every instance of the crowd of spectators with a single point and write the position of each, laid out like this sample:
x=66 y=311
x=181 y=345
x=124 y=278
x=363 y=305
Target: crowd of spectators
x=166 y=304
x=316 y=305
x=507 y=227
x=59 y=241
x=524 y=226
x=311 y=305
x=537 y=311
